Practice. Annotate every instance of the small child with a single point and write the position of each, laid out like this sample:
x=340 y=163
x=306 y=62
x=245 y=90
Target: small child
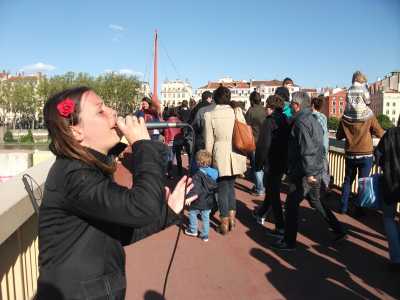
x=205 y=186
x=358 y=100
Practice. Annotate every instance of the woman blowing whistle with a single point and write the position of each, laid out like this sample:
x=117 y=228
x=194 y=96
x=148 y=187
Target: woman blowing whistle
x=85 y=217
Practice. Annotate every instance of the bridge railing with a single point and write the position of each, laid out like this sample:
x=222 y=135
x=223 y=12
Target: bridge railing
x=18 y=236
x=337 y=167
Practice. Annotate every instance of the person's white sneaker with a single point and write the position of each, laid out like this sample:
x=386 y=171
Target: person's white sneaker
x=260 y=220
x=188 y=232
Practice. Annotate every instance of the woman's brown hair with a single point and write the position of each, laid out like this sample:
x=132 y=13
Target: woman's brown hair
x=62 y=142
x=275 y=102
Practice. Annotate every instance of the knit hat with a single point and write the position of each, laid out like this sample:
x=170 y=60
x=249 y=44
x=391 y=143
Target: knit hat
x=283 y=92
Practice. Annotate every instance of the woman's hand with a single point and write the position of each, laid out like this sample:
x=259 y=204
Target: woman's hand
x=133 y=129
x=176 y=199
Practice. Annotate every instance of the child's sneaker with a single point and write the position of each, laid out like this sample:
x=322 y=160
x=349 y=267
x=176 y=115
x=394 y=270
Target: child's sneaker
x=188 y=232
x=204 y=238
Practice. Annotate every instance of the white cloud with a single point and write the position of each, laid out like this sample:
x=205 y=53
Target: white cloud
x=115 y=27
x=38 y=67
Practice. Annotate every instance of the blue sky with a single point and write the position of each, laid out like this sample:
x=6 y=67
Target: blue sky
x=316 y=42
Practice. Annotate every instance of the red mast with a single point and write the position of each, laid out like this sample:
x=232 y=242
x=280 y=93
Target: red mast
x=155 y=101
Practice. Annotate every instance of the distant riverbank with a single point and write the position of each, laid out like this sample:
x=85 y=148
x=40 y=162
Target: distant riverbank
x=40 y=147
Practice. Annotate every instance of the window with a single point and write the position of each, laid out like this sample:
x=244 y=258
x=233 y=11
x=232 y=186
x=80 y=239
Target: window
x=387 y=104
x=393 y=112
x=334 y=103
x=341 y=103
x=394 y=103
x=334 y=98
x=393 y=120
x=387 y=112
x=333 y=110
x=340 y=98
x=341 y=110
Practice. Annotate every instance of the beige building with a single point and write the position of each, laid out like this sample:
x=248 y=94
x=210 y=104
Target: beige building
x=145 y=89
x=173 y=92
x=385 y=96
x=241 y=89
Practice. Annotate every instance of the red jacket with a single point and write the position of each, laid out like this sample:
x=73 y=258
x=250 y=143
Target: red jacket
x=171 y=134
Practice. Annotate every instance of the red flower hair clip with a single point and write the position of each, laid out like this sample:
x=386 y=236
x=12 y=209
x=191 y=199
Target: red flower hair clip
x=66 y=107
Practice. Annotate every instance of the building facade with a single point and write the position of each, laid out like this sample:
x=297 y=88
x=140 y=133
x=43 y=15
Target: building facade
x=335 y=102
x=241 y=89
x=175 y=91
x=385 y=96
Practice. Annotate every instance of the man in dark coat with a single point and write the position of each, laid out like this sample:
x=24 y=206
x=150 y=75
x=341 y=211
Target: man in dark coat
x=206 y=99
x=255 y=117
x=305 y=167
x=387 y=155
x=197 y=118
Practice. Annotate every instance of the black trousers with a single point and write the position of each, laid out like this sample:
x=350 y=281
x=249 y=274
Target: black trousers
x=226 y=195
x=298 y=190
x=272 y=182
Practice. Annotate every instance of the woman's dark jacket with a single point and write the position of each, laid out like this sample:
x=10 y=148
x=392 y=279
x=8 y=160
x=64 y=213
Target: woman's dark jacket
x=85 y=219
x=205 y=188
x=387 y=155
x=255 y=117
x=272 y=146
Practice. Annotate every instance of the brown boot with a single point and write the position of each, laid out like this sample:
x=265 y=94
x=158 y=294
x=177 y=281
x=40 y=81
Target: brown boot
x=224 y=226
x=232 y=220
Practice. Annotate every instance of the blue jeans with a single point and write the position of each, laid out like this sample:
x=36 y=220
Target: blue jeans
x=257 y=175
x=205 y=217
x=363 y=165
x=392 y=231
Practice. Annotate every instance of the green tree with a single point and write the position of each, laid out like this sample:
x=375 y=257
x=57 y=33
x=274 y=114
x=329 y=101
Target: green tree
x=28 y=138
x=118 y=91
x=5 y=92
x=8 y=137
x=333 y=123
x=25 y=98
x=384 y=121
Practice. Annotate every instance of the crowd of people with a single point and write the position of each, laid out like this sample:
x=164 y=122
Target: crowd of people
x=85 y=217
x=292 y=145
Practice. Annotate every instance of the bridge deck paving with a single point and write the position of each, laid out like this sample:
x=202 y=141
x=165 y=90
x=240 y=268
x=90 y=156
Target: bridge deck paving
x=241 y=265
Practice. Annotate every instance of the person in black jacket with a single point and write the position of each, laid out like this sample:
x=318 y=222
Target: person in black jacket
x=85 y=217
x=271 y=155
x=205 y=186
x=305 y=167
x=387 y=155
x=255 y=117
x=197 y=119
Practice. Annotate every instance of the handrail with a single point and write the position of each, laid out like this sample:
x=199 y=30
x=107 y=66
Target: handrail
x=15 y=205
x=337 y=166
x=18 y=236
